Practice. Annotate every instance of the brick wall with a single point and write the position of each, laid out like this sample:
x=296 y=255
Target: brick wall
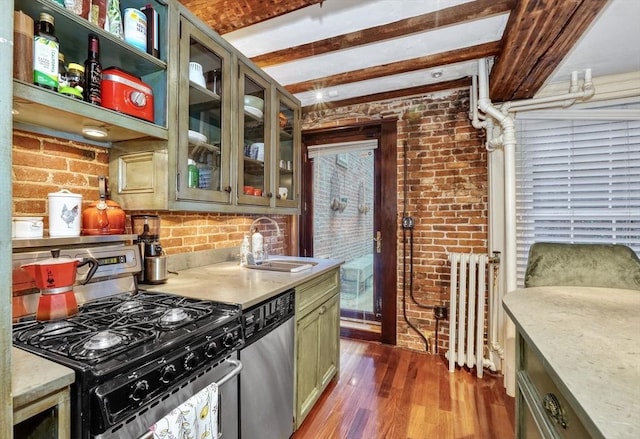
x=43 y=164
x=446 y=193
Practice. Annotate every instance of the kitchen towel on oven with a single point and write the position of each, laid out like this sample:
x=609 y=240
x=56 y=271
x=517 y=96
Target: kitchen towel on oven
x=194 y=419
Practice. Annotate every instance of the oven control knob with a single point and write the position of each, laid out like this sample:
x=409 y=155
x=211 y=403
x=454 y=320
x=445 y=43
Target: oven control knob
x=167 y=374
x=228 y=340
x=211 y=349
x=191 y=361
x=140 y=390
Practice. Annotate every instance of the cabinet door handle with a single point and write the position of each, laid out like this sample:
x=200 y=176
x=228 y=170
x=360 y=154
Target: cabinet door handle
x=269 y=195
x=554 y=409
x=227 y=189
x=323 y=309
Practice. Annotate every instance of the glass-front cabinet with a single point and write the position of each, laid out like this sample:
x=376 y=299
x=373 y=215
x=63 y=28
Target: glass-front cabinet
x=254 y=143
x=204 y=121
x=232 y=137
x=288 y=152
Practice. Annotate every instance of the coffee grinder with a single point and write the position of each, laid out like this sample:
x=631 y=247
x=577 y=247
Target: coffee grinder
x=154 y=261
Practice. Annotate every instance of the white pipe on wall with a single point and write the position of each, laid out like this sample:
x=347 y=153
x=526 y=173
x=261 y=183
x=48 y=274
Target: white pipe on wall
x=565 y=100
x=504 y=116
x=508 y=141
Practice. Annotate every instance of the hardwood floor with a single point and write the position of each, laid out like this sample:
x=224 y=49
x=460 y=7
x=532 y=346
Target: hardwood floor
x=385 y=392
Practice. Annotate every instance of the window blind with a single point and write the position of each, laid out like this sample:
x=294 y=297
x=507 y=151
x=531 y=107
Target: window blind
x=578 y=181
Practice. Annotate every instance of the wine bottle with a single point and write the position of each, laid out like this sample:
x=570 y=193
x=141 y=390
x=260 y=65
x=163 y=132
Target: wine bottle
x=93 y=72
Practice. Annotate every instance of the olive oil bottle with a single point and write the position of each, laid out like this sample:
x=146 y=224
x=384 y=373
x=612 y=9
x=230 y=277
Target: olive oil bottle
x=45 y=53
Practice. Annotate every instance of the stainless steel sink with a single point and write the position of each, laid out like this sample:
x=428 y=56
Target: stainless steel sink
x=287 y=265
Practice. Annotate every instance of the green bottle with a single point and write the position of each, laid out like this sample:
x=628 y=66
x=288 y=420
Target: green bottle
x=193 y=174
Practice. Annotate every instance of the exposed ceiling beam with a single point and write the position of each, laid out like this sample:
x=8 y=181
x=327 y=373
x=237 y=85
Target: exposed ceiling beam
x=424 y=62
x=422 y=23
x=225 y=16
x=413 y=91
x=539 y=34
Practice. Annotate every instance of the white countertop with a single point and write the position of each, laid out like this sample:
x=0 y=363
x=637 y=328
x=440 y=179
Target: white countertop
x=33 y=377
x=589 y=339
x=230 y=283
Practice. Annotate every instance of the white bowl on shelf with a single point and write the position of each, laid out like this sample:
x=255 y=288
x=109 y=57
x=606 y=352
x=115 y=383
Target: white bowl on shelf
x=254 y=112
x=195 y=138
x=254 y=101
x=196 y=75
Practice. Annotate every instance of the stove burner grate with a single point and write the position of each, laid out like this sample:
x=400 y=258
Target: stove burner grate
x=106 y=327
x=107 y=343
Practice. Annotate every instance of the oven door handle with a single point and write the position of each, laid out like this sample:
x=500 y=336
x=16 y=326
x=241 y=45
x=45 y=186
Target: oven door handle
x=234 y=372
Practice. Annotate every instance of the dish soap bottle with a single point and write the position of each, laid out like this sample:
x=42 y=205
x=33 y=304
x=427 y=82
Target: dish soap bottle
x=244 y=250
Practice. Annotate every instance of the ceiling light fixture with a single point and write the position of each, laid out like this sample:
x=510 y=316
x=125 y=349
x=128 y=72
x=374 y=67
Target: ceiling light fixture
x=14 y=111
x=94 y=132
x=436 y=74
x=319 y=96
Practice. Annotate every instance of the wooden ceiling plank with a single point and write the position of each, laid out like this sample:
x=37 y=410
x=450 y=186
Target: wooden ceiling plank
x=525 y=24
x=445 y=17
x=225 y=16
x=395 y=94
x=541 y=31
x=548 y=62
x=537 y=38
x=425 y=62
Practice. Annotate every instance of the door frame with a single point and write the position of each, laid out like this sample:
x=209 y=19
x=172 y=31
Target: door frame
x=386 y=209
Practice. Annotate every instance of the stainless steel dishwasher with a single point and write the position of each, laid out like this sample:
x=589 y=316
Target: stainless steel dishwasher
x=266 y=383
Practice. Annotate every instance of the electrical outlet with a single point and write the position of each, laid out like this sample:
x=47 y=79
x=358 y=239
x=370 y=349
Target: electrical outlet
x=408 y=222
x=440 y=312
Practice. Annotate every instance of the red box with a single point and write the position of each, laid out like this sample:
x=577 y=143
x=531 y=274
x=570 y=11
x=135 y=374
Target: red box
x=126 y=94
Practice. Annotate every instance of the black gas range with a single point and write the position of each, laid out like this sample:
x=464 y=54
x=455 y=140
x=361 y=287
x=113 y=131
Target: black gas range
x=131 y=351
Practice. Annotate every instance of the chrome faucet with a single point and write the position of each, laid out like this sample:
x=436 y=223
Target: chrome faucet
x=261 y=254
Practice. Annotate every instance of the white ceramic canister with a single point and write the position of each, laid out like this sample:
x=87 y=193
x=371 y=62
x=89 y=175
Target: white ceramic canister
x=27 y=227
x=65 y=210
x=135 y=28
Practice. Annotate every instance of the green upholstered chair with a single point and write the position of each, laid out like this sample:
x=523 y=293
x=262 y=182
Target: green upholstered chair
x=587 y=265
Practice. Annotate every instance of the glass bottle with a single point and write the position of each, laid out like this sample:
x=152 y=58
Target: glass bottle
x=193 y=174
x=62 y=72
x=75 y=76
x=93 y=72
x=45 y=53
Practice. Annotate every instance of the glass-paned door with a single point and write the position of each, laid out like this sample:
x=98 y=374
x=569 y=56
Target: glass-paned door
x=343 y=221
x=254 y=143
x=205 y=134
x=287 y=191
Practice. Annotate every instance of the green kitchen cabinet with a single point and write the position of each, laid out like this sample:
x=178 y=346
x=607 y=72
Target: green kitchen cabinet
x=317 y=340
x=211 y=133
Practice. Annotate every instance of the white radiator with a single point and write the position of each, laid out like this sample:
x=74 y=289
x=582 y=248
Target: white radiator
x=467 y=312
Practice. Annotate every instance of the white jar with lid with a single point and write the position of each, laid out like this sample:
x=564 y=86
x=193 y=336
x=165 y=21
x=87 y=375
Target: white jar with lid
x=65 y=210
